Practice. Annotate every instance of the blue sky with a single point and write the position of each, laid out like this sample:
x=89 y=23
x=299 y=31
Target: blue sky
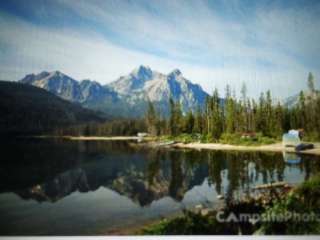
x=266 y=44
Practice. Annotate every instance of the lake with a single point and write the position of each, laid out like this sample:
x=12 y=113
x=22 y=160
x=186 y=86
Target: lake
x=60 y=187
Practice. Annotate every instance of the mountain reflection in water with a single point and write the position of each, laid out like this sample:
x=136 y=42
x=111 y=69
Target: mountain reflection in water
x=49 y=171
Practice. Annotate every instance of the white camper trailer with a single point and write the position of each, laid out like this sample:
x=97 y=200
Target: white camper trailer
x=291 y=139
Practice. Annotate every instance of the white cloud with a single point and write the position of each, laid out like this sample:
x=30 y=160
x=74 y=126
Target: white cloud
x=208 y=49
x=171 y=26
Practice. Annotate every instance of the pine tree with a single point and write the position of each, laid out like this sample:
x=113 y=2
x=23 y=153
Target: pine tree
x=216 y=116
x=189 y=123
x=279 y=120
x=270 y=118
x=302 y=110
x=172 y=123
x=317 y=120
x=311 y=83
x=176 y=118
x=261 y=115
x=244 y=92
x=311 y=106
x=198 y=126
x=229 y=111
x=151 y=119
x=245 y=109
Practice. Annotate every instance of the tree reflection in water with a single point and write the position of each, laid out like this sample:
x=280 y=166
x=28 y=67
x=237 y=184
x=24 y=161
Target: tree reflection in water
x=50 y=171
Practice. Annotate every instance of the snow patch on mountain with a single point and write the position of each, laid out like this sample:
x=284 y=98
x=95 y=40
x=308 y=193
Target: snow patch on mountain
x=144 y=84
x=132 y=91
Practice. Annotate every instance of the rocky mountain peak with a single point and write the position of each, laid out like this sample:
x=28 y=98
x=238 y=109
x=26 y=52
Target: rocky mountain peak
x=176 y=72
x=43 y=74
x=30 y=78
x=142 y=72
x=57 y=74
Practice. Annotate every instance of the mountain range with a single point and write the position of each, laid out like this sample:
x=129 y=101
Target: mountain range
x=128 y=95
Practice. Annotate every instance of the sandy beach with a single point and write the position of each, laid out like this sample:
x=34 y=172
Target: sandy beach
x=278 y=147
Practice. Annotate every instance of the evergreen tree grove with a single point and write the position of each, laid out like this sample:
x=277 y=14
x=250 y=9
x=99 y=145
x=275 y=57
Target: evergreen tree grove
x=221 y=116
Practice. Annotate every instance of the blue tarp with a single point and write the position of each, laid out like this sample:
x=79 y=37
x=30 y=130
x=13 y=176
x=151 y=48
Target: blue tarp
x=290 y=139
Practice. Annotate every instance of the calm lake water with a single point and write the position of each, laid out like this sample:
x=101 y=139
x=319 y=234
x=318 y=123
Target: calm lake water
x=56 y=187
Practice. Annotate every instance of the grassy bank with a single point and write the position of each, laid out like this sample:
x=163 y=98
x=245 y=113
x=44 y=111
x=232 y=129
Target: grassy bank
x=303 y=200
x=233 y=139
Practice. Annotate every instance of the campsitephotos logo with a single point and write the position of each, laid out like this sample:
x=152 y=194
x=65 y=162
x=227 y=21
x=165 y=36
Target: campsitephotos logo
x=254 y=217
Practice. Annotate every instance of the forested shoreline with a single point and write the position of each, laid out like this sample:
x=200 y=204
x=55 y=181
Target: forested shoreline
x=220 y=118
x=29 y=110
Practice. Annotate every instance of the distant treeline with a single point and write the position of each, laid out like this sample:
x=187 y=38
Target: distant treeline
x=221 y=116
x=119 y=127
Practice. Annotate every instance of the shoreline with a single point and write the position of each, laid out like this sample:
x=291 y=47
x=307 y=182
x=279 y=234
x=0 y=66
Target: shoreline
x=91 y=138
x=151 y=142
x=95 y=138
x=277 y=147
